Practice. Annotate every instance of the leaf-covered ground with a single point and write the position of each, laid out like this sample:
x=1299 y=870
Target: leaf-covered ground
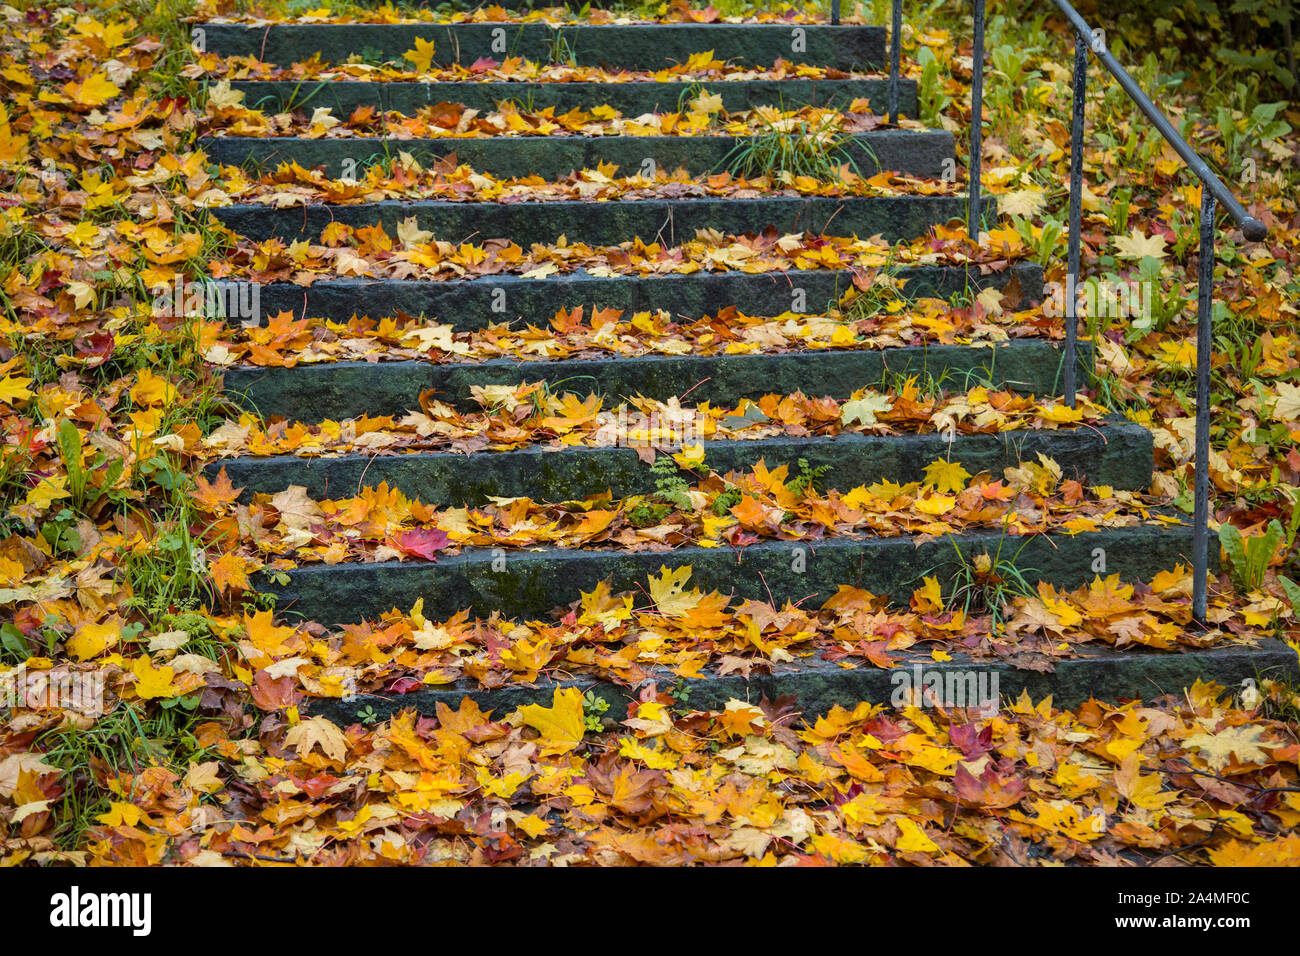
x=119 y=562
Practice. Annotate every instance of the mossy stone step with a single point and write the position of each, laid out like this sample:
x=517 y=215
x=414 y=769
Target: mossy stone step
x=349 y=389
x=670 y=221
x=477 y=303
x=923 y=153
x=631 y=98
x=531 y=582
x=820 y=685
x=1119 y=455
x=634 y=46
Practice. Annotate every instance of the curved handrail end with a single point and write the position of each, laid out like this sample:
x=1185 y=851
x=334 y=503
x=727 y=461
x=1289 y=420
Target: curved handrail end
x=1253 y=229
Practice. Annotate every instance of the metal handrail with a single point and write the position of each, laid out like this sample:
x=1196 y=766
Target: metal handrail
x=1252 y=228
x=976 y=98
x=1213 y=193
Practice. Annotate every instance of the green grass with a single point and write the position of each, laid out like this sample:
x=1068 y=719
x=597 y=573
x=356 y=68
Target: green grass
x=167 y=575
x=808 y=149
x=122 y=741
x=988 y=583
x=876 y=299
x=926 y=383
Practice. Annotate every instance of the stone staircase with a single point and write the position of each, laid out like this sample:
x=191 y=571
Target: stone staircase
x=530 y=582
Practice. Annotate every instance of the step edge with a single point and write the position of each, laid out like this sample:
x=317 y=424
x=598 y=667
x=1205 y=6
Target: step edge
x=1268 y=656
x=1120 y=430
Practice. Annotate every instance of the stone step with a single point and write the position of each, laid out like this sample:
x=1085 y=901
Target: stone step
x=630 y=99
x=820 y=685
x=528 y=583
x=350 y=389
x=634 y=46
x=669 y=221
x=1119 y=455
x=477 y=303
x=924 y=153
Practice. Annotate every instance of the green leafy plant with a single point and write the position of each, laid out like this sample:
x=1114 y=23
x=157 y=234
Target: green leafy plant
x=593 y=711
x=1121 y=205
x=806 y=480
x=1243 y=129
x=932 y=100
x=60 y=531
x=729 y=498
x=1046 y=245
x=1249 y=558
x=680 y=692
x=14 y=648
x=671 y=491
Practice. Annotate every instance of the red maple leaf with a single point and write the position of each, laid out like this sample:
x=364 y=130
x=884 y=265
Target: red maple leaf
x=422 y=542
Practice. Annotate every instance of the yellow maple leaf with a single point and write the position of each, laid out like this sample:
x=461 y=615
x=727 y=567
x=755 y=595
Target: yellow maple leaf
x=1219 y=749
x=668 y=590
x=152 y=682
x=946 y=475
x=561 y=725
x=83 y=293
x=838 y=850
x=151 y=389
x=912 y=838
x=47 y=491
x=1137 y=246
x=929 y=597
x=230 y=572
x=1063 y=817
x=1147 y=791
x=864 y=410
x=13 y=388
x=95 y=90
x=91 y=640
x=11 y=572
x=422 y=55
x=121 y=814
x=264 y=635
x=1178 y=580
x=1284 y=851
x=1022 y=202
x=739 y=718
x=652 y=758
x=318 y=732
x=220 y=95
x=1060 y=414
x=533 y=825
x=935 y=505
x=1287 y=407
x=858 y=497
x=691 y=456
x=699 y=61
x=707 y=102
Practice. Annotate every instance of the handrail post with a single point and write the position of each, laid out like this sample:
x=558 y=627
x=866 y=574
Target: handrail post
x=1204 y=339
x=1078 y=100
x=1213 y=195
x=976 y=124
x=896 y=57
x=835 y=12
